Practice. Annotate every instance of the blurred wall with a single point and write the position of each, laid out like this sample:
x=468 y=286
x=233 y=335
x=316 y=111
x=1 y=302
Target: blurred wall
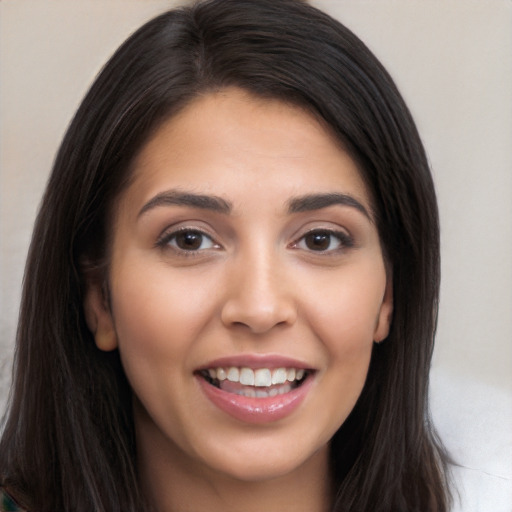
x=452 y=60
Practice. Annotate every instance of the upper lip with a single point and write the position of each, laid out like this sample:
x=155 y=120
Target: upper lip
x=255 y=361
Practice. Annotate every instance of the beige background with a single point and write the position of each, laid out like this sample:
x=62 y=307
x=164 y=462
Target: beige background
x=452 y=60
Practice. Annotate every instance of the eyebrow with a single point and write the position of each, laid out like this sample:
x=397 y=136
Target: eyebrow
x=175 y=197
x=309 y=202
x=312 y=202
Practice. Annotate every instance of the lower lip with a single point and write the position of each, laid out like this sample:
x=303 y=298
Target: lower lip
x=257 y=410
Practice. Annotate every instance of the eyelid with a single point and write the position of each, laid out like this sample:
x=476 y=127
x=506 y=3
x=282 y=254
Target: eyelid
x=171 y=232
x=346 y=241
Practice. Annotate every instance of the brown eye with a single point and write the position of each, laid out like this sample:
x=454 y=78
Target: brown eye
x=319 y=241
x=188 y=240
x=324 y=241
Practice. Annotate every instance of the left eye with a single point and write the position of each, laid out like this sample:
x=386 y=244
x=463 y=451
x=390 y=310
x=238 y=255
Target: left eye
x=323 y=241
x=190 y=240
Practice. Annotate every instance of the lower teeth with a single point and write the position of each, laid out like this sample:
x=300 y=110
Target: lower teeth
x=260 y=393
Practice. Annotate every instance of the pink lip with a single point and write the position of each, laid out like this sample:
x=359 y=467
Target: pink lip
x=256 y=410
x=255 y=361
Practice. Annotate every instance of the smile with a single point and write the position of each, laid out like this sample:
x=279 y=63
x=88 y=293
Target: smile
x=256 y=395
x=255 y=383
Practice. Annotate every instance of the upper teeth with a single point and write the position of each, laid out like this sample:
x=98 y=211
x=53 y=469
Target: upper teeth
x=261 y=377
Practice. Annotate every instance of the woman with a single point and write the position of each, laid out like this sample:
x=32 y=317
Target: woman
x=232 y=285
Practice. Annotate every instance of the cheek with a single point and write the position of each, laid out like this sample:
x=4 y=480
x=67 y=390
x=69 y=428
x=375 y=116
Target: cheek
x=345 y=309
x=344 y=318
x=159 y=315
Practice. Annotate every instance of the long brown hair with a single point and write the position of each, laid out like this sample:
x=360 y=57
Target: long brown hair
x=68 y=441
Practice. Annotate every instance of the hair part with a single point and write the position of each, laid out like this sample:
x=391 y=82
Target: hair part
x=69 y=441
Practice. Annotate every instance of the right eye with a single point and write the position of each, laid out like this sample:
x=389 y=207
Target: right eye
x=188 y=240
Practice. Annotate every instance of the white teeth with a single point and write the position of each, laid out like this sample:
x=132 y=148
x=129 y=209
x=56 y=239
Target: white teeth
x=250 y=392
x=279 y=376
x=234 y=374
x=262 y=377
x=261 y=393
x=246 y=377
x=284 y=389
x=290 y=374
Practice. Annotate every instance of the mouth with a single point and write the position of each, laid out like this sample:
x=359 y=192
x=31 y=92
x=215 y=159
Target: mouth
x=255 y=382
x=255 y=388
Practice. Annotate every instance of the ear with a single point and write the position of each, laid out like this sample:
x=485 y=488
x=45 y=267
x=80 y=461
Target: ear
x=99 y=317
x=385 y=314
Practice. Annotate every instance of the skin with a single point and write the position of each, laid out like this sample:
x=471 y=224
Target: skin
x=254 y=286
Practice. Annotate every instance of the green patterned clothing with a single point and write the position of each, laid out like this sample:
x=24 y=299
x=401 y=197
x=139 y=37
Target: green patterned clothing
x=7 y=504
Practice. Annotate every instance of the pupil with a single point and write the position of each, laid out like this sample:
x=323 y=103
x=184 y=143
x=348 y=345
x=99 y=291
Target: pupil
x=189 y=240
x=318 y=241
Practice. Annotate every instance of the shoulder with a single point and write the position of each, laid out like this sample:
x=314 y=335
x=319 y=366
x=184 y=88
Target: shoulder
x=7 y=503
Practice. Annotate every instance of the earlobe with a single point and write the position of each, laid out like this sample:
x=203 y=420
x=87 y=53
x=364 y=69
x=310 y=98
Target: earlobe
x=99 y=318
x=385 y=313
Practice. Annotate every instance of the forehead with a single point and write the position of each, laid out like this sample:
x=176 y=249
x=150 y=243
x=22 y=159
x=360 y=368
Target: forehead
x=228 y=141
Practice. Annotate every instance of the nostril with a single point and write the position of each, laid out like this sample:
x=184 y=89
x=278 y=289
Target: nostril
x=256 y=299
x=258 y=319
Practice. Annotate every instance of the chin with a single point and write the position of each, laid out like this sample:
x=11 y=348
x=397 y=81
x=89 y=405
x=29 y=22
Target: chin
x=264 y=464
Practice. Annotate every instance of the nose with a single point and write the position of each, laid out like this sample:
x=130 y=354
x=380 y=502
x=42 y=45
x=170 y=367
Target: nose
x=258 y=297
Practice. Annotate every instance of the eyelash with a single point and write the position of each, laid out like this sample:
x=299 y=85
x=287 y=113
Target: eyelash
x=344 y=241
x=165 y=241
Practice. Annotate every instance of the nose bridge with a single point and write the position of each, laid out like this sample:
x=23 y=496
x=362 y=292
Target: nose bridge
x=258 y=297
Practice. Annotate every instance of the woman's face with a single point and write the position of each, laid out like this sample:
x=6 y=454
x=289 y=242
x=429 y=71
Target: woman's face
x=247 y=286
